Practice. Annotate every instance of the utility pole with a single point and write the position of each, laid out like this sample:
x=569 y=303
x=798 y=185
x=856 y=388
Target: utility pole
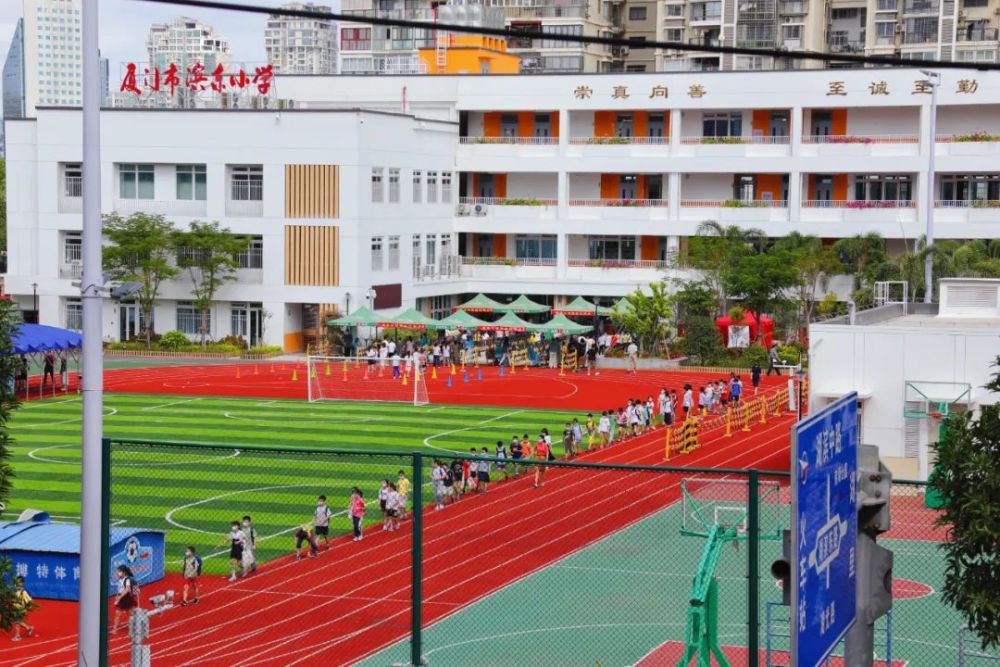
x=93 y=610
x=933 y=80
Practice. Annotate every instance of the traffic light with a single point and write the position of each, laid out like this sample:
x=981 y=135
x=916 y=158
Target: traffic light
x=781 y=569
x=874 y=491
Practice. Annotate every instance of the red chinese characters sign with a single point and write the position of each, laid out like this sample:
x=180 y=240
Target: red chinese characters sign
x=195 y=78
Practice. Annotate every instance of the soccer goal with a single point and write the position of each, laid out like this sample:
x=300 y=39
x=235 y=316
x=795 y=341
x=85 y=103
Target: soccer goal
x=363 y=379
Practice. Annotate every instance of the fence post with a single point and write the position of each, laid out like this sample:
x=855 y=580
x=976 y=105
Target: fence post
x=416 y=647
x=753 y=570
x=102 y=650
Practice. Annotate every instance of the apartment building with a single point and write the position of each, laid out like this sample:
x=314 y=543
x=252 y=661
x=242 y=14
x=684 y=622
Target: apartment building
x=554 y=186
x=301 y=46
x=963 y=30
x=14 y=93
x=380 y=50
x=185 y=42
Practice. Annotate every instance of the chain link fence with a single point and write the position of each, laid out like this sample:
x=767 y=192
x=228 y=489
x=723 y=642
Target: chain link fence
x=547 y=563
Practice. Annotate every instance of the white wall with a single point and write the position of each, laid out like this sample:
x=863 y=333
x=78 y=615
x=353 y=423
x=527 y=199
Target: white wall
x=531 y=185
x=898 y=120
x=707 y=186
x=966 y=120
x=584 y=186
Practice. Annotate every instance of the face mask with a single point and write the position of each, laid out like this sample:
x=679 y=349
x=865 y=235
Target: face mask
x=246 y=524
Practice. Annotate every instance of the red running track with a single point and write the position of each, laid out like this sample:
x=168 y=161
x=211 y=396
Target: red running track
x=353 y=601
x=535 y=388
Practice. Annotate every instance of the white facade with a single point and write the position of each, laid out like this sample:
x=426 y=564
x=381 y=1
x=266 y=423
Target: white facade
x=301 y=46
x=552 y=186
x=44 y=205
x=903 y=364
x=185 y=42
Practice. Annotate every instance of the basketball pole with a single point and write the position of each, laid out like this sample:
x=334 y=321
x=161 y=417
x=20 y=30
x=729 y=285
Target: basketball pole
x=93 y=610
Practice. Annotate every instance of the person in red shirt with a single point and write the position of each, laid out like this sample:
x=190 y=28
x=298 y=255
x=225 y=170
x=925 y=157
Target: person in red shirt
x=543 y=452
x=357 y=511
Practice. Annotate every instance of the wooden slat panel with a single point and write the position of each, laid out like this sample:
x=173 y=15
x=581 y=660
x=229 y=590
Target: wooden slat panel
x=312 y=191
x=311 y=255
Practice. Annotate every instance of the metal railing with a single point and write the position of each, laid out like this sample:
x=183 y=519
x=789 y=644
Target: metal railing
x=847 y=46
x=920 y=37
x=613 y=141
x=861 y=139
x=507 y=201
x=742 y=139
x=637 y=203
x=509 y=261
x=244 y=208
x=71 y=271
x=858 y=203
x=184 y=207
x=621 y=263
x=920 y=7
x=74 y=186
x=530 y=141
x=977 y=35
x=734 y=203
x=967 y=203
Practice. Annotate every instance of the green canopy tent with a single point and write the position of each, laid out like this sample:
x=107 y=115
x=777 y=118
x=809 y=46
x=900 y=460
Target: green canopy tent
x=362 y=317
x=622 y=305
x=409 y=319
x=523 y=304
x=509 y=323
x=562 y=324
x=580 y=307
x=480 y=304
x=461 y=320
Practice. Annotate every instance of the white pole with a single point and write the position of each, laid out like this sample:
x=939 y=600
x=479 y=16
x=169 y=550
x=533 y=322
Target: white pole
x=93 y=580
x=934 y=79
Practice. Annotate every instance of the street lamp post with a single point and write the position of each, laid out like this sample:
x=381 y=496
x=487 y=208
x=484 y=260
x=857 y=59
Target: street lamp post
x=934 y=80
x=34 y=298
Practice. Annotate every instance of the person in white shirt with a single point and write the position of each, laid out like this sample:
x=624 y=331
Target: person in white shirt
x=604 y=428
x=633 y=357
x=666 y=408
x=710 y=398
x=473 y=480
x=437 y=483
x=396 y=372
x=688 y=400
x=394 y=504
x=391 y=345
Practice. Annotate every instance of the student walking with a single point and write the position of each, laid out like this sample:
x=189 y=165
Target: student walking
x=591 y=428
x=688 y=401
x=304 y=535
x=127 y=598
x=666 y=408
x=543 y=452
x=237 y=542
x=392 y=509
x=357 y=510
x=458 y=477
x=516 y=454
x=403 y=486
x=501 y=456
x=321 y=521
x=633 y=357
x=484 y=472
x=437 y=484
x=22 y=603
x=383 y=495
x=191 y=570
x=577 y=436
x=772 y=361
x=755 y=376
x=249 y=545
x=604 y=429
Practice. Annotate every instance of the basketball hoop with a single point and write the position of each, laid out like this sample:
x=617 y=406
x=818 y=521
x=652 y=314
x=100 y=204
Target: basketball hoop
x=936 y=416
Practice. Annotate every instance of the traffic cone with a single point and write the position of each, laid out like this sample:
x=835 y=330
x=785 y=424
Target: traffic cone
x=513 y=368
x=449 y=381
x=270 y=368
x=501 y=371
x=256 y=371
x=380 y=370
x=479 y=374
x=237 y=372
x=434 y=373
x=327 y=370
x=405 y=380
x=465 y=377
x=295 y=374
x=312 y=372
x=453 y=369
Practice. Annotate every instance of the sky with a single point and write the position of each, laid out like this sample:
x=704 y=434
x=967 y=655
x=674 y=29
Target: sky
x=124 y=24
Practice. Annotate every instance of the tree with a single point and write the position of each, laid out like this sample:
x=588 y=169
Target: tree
x=815 y=263
x=650 y=317
x=3 y=205
x=696 y=305
x=9 y=363
x=761 y=280
x=967 y=479
x=208 y=253
x=715 y=249
x=140 y=250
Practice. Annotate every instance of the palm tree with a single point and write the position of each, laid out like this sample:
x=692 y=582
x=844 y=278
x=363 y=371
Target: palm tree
x=714 y=249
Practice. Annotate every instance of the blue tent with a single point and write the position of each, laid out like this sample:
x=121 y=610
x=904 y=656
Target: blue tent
x=31 y=338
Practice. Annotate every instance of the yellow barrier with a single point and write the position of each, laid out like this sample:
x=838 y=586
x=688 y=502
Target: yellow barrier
x=667 y=437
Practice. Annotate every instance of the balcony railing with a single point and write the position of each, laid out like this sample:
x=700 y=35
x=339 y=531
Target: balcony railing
x=977 y=35
x=861 y=139
x=71 y=271
x=447 y=266
x=920 y=7
x=182 y=207
x=70 y=204
x=508 y=261
x=621 y=203
x=701 y=41
x=526 y=141
x=244 y=208
x=713 y=17
x=858 y=204
x=747 y=139
x=74 y=186
x=506 y=201
x=920 y=37
x=619 y=141
x=734 y=203
x=621 y=263
x=847 y=47
x=967 y=203
x=971 y=138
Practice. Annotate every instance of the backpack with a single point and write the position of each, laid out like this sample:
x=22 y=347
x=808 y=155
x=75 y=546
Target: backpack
x=449 y=477
x=552 y=457
x=133 y=586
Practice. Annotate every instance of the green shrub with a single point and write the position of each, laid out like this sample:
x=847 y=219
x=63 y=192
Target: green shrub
x=754 y=354
x=234 y=340
x=173 y=340
x=790 y=354
x=265 y=349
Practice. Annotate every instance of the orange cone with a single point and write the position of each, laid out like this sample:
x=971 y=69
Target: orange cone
x=295 y=375
x=237 y=372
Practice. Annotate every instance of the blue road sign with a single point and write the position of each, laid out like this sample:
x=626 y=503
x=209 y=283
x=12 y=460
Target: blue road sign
x=824 y=530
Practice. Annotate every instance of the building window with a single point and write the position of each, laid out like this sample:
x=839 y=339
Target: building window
x=377 y=193
x=636 y=13
x=722 y=124
x=418 y=186
x=72 y=180
x=416 y=249
x=441 y=306
x=71 y=248
x=246 y=183
x=187 y=318
x=535 y=246
x=356 y=39
x=576 y=30
x=446 y=245
x=430 y=248
x=612 y=247
x=635 y=68
x=965 y=187
x=877 y=187
x=74 y=314
x=675 y=11
x=975 y=3
x=791 y=32
x=253 y=256
x=674 y=34
x=432 y=179
x=135 y=181
x=393 y=253
x=394 y=186
x=191 y=182
x=376 y=253
x=446 y=187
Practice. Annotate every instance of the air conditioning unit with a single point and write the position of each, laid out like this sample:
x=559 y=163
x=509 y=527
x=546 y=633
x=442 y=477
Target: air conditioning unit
x=463 y=209
x=479 y=209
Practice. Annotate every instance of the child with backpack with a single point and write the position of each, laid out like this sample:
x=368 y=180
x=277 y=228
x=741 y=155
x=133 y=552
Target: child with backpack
x=304 y=535
x=191 y=569
x=128 y=594
x=22 y=605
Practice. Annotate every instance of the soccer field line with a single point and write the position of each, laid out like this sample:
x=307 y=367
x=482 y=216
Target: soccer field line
x=323 y=596
x=643 y=573
x=167 y=405
x=427 y=440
